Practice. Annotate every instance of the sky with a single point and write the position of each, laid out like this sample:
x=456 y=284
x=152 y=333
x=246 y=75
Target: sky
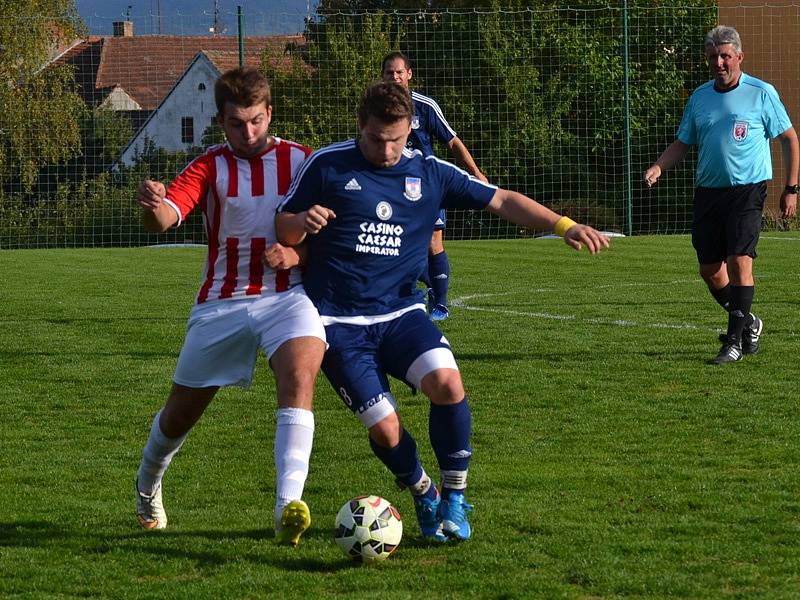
x=195 y=17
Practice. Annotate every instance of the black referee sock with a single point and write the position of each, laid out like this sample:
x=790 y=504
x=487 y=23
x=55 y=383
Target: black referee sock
x=740 y=304
x=722 y=296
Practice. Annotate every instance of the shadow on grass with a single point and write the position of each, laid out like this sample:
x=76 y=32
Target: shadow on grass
x=207 y=549
x=29 y=533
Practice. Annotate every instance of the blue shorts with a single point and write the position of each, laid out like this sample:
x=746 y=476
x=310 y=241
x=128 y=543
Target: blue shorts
x=441 y=221
x=360 y=357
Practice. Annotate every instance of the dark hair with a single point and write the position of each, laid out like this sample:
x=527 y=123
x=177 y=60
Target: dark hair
x=387 y=101
x=393 y=55
x=243 y=86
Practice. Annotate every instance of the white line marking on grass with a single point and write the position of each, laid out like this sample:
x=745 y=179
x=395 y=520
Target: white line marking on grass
x=781 y=239
x=459 y=303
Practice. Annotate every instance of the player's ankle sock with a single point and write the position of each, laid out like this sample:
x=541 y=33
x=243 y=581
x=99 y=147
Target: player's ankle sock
x=403 y=462
x=450 y=427
x=439 y=275
x=156 y=456
x=739 y=315
x=722 y=296
x=294 y=437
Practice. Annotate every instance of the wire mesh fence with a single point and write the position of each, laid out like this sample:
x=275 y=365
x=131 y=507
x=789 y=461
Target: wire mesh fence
x=536 y=95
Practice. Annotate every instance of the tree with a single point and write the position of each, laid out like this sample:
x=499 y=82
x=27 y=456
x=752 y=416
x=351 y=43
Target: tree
x=41 y=113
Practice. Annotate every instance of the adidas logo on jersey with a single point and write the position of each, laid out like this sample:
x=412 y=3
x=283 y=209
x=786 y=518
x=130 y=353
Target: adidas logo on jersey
x=352 y=185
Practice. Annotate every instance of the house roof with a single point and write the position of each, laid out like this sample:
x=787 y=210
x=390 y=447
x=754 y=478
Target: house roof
x=147 y=67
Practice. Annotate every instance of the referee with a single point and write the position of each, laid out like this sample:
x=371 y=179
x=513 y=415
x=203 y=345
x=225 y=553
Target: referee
x=731 y=120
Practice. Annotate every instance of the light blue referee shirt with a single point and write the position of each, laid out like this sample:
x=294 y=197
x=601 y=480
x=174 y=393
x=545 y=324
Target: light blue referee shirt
x=732 y=130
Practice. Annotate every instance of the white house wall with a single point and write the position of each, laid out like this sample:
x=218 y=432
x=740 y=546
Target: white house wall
x=185 y=100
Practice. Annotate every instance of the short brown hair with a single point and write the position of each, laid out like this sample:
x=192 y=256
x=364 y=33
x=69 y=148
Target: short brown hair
x=387 y=101
x=243 y=86
x=393 y=55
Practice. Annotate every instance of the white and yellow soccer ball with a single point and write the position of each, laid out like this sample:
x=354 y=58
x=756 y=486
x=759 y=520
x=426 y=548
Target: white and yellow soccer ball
x=368 y=528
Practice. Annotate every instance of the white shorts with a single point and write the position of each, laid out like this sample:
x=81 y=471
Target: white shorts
x=223 y=337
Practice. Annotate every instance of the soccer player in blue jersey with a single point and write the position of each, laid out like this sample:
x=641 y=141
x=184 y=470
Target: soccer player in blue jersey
x=369 y=206
x=427 y=123
x=731 y=120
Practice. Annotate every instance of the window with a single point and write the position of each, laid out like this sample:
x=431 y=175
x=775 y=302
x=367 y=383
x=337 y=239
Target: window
x=202 y=87
x=187 y=130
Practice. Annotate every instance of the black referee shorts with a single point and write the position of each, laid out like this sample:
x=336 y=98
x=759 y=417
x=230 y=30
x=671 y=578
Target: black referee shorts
x=727 y=221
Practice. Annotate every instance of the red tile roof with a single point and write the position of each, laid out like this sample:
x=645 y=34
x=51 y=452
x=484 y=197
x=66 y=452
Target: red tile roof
x=146 y=67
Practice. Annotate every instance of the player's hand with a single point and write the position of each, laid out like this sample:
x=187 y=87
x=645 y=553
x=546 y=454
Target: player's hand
x=316 y=218
x=651 y=175
x=278 y=257
x=788 y=205
x=578 y=235
x=482 y=177
x=150 y=194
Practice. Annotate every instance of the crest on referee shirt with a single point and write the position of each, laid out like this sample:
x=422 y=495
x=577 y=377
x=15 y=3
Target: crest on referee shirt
x=415 y=122
x=739 y=130
x=384 y=211
x=413 y=188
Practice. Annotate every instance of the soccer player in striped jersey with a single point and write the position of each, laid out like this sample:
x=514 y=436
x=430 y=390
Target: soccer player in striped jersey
x=365 y=246
x=251 y=296
x=731 y=120
x=427 y=123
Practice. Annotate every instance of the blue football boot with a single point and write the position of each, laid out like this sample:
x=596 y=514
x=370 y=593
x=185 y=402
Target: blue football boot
x=439 y=312
x=454 y=511
x=428 y=518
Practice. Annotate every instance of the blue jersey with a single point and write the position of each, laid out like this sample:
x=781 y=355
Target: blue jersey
x=427 y=123
x=732 y=130
x=365 y=262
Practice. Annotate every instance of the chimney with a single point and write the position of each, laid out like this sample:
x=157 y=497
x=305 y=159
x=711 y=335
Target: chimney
x=123 y=28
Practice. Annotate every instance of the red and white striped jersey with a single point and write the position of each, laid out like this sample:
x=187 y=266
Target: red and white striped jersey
x=238 y=197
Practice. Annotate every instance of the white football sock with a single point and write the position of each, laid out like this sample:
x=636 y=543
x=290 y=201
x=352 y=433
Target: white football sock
x=294 y=436
x=156 y=456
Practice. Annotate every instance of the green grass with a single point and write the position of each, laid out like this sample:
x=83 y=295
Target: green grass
x=610 y=459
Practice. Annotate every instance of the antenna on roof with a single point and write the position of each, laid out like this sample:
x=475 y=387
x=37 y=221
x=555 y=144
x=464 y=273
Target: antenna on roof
x=218 y=27
x=128 y=14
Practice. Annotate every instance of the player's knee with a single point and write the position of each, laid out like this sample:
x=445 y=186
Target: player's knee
x=295 y=386
x=443 y=386
x=386 y=432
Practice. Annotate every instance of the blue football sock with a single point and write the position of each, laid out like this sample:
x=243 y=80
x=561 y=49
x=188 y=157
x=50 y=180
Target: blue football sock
x=402 y=460
x=450 y=427
x=439 y=276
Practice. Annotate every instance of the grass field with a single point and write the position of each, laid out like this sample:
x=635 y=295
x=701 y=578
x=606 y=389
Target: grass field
x=610 y=459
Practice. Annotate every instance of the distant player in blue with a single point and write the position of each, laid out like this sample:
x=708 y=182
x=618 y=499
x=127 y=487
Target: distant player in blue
x=369 y=205
x=428 y=123
x=731 y=120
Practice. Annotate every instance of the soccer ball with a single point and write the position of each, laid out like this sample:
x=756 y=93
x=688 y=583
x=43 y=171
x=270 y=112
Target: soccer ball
x=368 y=528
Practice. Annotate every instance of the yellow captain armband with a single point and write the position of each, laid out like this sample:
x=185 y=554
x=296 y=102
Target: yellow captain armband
x=562 y=226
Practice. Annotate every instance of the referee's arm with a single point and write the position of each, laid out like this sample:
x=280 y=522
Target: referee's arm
x=790 y=150
x=668 y=159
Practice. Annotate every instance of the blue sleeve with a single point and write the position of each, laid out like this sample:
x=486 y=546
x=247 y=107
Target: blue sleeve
x=459 y=188
x=439 y=125
x=687 y=133
x=776 y=120
x=306 y=189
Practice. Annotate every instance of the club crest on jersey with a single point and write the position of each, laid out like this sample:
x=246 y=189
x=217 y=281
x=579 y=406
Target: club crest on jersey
x=740 y=130
x=384 y=211
x=415 y=122
x=413 y=188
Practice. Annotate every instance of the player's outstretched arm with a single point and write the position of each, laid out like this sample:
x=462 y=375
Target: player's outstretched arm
x=157 y=215
x=524 y=211
x=292 y=228
x=673 y=154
